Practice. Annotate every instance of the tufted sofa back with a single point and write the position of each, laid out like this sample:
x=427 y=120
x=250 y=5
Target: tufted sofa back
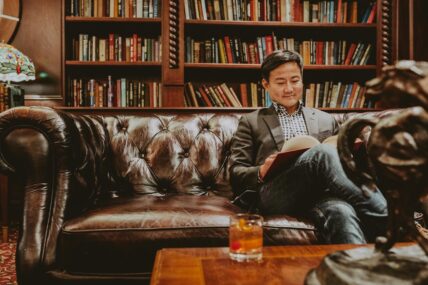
x=165 y=154
x=162 y=154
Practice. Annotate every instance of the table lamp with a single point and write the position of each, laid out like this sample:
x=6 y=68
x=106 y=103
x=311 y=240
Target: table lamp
x=15 y=67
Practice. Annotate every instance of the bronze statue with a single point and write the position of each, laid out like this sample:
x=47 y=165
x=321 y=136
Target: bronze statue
x=397 y=163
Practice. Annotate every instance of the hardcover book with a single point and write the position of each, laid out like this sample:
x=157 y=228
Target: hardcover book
x=293 y=148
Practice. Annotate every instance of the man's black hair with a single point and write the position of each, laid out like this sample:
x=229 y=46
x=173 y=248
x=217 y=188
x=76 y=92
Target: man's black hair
x=279 y=57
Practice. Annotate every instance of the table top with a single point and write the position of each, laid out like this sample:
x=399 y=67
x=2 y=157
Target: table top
x=212 y=266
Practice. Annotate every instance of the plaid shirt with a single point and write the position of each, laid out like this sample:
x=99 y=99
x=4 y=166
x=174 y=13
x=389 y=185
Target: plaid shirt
x=292 y=125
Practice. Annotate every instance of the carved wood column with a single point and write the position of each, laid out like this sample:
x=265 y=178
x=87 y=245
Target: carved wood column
x=385 y=33
x=173 y=53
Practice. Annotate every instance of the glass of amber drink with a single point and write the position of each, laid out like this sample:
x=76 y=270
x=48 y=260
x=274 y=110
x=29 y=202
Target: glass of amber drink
x=246 y=237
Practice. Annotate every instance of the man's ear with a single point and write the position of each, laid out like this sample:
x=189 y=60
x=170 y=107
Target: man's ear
x=265 y=83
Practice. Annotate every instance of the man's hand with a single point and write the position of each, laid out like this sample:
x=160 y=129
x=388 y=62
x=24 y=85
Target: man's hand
x=265 y=166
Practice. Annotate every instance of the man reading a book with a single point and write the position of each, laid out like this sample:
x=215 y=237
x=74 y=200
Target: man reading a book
x=313 y=183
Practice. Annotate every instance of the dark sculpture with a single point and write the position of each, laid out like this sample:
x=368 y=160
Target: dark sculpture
x=397 y=163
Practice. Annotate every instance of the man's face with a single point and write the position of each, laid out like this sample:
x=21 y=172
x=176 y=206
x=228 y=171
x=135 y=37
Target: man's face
x=285 y=85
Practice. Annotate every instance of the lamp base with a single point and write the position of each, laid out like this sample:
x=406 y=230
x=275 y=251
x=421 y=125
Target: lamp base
x=16 y=95
x=404 y=265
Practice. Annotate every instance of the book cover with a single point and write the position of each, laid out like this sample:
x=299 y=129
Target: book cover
x=294 y=147
x=222 y=95
x=213 y=97
x=235 y=96
x=244 y=94
x=371 y=17
x=291 y=149
x=205 y=97
x=350 y=53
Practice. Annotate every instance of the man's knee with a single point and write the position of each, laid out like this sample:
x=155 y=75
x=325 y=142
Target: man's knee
x=338 y=222
x=326 y=150
x=338 y=211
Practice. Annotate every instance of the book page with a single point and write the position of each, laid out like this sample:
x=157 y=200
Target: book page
x=331 y=140
x=299 y=142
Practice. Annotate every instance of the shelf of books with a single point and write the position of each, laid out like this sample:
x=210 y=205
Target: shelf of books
x=326 y=95
x=114 y=8
x=10 y=96
x=207 y=53
x=112 y=53
x=309 y=11
x=225 y=42
x=4 y=97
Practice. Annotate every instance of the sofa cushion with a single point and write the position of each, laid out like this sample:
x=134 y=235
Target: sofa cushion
x=286 y=230
x=123 y=234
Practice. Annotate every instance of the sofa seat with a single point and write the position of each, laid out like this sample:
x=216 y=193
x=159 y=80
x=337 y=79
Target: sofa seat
x=126 y=231
x=122 y=235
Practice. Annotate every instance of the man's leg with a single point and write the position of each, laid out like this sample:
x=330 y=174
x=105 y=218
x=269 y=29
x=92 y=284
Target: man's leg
x=315 y=174
x=337 y=222
x=323 y=166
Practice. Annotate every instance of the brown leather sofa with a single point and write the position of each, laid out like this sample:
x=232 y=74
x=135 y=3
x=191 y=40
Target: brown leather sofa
x=104 y=193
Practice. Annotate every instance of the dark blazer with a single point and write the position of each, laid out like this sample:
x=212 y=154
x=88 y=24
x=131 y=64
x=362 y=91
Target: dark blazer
x=259 y=134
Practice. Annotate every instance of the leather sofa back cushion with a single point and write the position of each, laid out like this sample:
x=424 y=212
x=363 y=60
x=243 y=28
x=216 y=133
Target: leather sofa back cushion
x=165 y=154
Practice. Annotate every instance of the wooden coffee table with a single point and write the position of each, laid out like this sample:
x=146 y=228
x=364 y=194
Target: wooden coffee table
x=212 y=266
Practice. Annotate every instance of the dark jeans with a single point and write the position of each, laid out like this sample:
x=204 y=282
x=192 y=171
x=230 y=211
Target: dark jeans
x=317 y=184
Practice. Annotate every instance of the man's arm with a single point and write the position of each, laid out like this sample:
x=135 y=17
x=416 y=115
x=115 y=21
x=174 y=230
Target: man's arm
x=243 y=172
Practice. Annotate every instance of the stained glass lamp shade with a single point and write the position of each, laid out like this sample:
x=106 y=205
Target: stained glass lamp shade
x=14 y=65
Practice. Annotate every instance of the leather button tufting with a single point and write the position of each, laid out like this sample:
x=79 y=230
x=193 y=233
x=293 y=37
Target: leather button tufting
x=186 y=154
x=142 y=155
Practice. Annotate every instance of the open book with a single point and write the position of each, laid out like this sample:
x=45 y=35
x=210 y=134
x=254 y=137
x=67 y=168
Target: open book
x=295 y=147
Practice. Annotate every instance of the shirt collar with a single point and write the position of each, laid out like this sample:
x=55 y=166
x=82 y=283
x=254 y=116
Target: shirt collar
x=282 y=110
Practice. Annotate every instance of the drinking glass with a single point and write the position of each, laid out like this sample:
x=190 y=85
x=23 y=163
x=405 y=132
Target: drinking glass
x=246 y=237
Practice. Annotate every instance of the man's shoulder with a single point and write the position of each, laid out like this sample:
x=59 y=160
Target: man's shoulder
x=317 y=112
x=265 y=111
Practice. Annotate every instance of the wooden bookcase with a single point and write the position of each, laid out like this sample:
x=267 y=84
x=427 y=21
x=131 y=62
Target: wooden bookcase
x=82 y=60
x=173 y=72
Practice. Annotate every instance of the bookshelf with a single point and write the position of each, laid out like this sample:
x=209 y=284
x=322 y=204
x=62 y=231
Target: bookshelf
x=313 y=31
x=112 y=54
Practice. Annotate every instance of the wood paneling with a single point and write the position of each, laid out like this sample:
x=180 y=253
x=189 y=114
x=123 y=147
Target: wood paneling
x=8 y=26
x=39 y=37
x=420 y=25
x=411 y=29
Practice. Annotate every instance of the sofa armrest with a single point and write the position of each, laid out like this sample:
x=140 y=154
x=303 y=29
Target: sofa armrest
x=60 y=158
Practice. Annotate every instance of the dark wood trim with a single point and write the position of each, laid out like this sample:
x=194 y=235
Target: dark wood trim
x=63 y=54
x=384 y=38
x=112 y=63
x=411 y=29
x=73 y=19
x=258 y=24
x=395 y=30
x=138 y=110
x=420 y=32
x=257 y=66
x=172 y=75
